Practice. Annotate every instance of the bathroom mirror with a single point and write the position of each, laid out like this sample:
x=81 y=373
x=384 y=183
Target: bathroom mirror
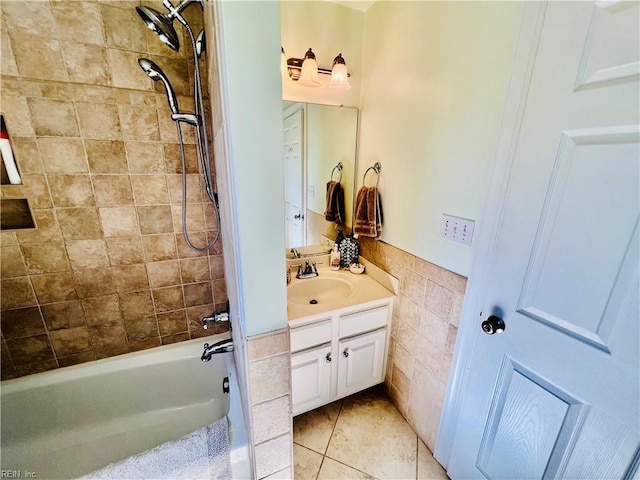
x=320 y=144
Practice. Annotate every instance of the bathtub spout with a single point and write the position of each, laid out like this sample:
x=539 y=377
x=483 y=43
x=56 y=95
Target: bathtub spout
x=219 y=347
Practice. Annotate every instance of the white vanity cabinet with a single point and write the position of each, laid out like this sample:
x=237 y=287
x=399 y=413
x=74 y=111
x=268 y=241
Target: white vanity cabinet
x=339 y=353
x=361 y=362
x=311 y=378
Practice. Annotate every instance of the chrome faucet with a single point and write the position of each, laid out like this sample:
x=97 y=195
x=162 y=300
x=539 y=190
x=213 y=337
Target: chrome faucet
x=221 y=317
x=309 y=270
x=218 y=347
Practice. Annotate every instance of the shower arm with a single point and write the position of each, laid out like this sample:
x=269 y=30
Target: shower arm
x=176 y=12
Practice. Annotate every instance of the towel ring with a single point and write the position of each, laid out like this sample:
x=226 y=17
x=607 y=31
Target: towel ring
x=339 y=167
x=377 y=168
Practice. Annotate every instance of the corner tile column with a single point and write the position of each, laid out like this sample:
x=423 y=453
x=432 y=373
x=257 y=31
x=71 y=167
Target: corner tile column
x=270 y=396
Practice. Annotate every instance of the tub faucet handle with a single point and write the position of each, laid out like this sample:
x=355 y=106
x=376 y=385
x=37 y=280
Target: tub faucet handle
x=216 y=317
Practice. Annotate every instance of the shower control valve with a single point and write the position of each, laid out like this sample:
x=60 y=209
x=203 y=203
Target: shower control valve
x=220 y=317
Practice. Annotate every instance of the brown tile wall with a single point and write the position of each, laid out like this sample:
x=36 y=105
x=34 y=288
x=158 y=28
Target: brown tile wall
x=106 y=271
x=425 y=323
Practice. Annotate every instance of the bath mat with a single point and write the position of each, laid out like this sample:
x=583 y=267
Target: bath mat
x=203 y=454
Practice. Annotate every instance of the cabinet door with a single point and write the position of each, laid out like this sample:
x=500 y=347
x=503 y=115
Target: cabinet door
x=310 y=379
x=361 y=362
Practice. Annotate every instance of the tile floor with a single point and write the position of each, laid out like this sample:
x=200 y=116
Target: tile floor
x=360 y=437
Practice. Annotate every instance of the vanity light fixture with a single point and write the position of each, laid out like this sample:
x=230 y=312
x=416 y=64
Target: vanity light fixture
x=309 y=72
x=305 y=71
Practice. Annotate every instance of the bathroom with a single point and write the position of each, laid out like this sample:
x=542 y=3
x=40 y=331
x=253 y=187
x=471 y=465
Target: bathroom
x=403 y=57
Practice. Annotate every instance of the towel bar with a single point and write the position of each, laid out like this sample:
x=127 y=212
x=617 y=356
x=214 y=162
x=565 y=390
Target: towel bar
x=339 y=167
x=376 y=168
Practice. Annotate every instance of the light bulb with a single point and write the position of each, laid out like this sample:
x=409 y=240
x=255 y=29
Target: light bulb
x=339 y=75
x=309 y=73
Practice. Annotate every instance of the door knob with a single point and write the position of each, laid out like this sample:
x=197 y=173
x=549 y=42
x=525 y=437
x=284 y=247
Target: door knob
x=298 y=216
x=345 y=354
x=493 y=325
x=328 y=358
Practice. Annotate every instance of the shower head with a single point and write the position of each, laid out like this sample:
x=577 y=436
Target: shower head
x=155 y=73
x=161 y=25
x=201 y=45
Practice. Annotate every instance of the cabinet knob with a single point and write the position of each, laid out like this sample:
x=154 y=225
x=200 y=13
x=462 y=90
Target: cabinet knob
x=328 y=358
x=345 y=354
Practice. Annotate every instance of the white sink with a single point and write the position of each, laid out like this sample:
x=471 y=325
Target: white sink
x=319 y=290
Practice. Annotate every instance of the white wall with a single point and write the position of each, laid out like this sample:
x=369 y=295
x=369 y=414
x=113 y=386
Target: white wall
x=330 y=139
x=328 y=29
x=434 y=83
x=250 y=54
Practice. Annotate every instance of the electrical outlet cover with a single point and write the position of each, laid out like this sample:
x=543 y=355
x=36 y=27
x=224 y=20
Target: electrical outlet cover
x=457 y=229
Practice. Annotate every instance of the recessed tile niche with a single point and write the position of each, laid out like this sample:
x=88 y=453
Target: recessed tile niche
x=15 y=214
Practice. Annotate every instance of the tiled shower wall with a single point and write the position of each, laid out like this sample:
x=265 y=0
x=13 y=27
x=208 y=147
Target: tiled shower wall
x=425 y=324
x=107 y=270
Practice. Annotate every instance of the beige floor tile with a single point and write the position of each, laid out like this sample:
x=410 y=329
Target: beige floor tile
x=371 y=436
x=306 y=463
x=428 y=468
x=332 y=470
x=313 y=429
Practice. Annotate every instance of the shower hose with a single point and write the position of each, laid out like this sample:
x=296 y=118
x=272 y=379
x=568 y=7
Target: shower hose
x=208 y=184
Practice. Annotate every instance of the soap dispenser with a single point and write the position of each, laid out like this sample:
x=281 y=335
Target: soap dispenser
x=334 y=262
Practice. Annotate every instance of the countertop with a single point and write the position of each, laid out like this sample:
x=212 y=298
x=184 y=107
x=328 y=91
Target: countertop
x=365 y=290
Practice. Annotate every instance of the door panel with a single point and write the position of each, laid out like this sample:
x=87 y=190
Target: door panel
x=525 y=422
x=577 y=222
x=293 y=134
x=610 y=54
x=557 y=395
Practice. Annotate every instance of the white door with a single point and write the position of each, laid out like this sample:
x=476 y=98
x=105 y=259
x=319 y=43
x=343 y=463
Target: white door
x=310 y=379
x=294 y=179
x=360 y=362
x=557 y=394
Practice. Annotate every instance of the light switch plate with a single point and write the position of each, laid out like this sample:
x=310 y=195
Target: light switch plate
x=457 y=229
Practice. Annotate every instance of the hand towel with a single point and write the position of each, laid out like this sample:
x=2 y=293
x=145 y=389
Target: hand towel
x=335 y=203
x=368 y=221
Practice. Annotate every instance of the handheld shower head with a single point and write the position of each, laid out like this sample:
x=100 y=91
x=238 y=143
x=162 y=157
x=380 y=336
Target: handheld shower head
x=161 y=25
x=155 y=73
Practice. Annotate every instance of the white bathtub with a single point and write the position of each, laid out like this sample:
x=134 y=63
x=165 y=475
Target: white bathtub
x=71 y=421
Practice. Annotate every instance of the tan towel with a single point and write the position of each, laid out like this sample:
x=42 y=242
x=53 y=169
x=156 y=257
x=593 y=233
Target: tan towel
x=368 y=221
x=335 y=203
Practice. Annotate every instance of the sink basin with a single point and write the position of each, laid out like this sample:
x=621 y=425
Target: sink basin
x=319 y=290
